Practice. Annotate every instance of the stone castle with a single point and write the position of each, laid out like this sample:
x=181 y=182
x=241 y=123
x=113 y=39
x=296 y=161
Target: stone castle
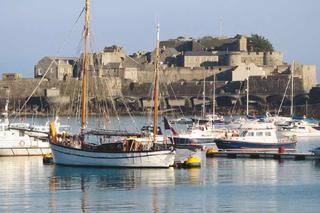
x=186 y=62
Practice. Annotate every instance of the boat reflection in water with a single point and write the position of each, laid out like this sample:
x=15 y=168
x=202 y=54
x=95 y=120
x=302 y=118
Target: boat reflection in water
x=100 y=189
x=65 y=178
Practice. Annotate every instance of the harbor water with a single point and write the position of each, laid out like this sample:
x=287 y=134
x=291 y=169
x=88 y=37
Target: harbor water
x=220 y=185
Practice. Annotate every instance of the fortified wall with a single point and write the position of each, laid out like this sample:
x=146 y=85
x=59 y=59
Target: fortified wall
x=176 y=74
x=56 y=92
x=258 y=58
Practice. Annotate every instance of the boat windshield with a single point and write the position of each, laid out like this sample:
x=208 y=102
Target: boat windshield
x=243 y=133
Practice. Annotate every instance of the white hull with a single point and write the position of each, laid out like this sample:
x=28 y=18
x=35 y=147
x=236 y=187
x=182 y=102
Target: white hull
x=24 y=151
x=76 y=157
x=300 y=134
x=12 y=144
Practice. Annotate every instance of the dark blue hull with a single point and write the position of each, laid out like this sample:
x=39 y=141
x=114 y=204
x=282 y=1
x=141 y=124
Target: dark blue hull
x=227 y=144
x=192 y=141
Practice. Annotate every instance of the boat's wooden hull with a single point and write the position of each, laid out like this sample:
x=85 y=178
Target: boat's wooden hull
x=76 y=157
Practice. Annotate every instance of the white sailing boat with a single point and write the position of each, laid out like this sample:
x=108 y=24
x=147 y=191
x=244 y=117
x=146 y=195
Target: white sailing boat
x=79 y=149
x=14 y=142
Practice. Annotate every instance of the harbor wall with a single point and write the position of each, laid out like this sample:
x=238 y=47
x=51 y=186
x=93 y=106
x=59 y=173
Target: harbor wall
x=266 y=93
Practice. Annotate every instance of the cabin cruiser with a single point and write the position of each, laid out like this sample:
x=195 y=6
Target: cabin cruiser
x=202 y=135
x=14 y=142
x=255 y=135
x=39 y=131
x=299 y=129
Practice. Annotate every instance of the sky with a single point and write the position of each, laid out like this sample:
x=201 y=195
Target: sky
x=32 y=29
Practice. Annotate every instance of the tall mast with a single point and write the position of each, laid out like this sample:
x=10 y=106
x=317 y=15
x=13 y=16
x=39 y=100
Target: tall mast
x=214 y=96
x=292 y=73
x=248 y=90
x=6 y=108
x=156 y=86
x=85 y=68
x=204 y=97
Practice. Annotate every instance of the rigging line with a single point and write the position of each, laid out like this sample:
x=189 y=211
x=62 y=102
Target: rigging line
x=175 y=96
x=234 y=105
x=72 y=96
x=103 y=98
x=128 y=110
x=64 y=91
x=104 y=104
x=83 y=9
x=46 y=72
x=149 y=112
x=112 y=101
x=171 y=88
x=283 y=97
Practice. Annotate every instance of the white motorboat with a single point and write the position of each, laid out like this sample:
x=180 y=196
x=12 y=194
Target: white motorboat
x=38 y=131
x=299 y=129
x=255 y=135
x=200 y=135
x=16 y=143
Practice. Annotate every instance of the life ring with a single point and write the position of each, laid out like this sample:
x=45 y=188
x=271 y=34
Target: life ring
x=21 y=143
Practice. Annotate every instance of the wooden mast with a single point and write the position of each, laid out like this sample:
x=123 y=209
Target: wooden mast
x=156 y=86
x=85 y=68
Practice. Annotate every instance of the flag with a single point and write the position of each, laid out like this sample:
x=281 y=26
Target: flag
x=167 y=125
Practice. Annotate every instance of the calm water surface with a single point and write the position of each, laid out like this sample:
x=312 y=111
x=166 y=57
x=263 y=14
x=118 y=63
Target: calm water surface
x=221 y=185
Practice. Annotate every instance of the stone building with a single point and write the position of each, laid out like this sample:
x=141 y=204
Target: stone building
x=168 y=56
x=11 y=76
x=307 y=73
x=242 y=71
x=57 y=68
x=182 y=44
x=200 y=59
x=108 y=60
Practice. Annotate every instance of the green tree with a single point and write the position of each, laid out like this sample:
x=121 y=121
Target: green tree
x=257 y=43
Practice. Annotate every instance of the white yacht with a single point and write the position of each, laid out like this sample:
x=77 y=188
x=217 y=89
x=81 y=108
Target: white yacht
x=299 y=129
x=255 y=135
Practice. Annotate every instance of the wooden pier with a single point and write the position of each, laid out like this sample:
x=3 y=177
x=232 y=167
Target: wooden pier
x=262 y=155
